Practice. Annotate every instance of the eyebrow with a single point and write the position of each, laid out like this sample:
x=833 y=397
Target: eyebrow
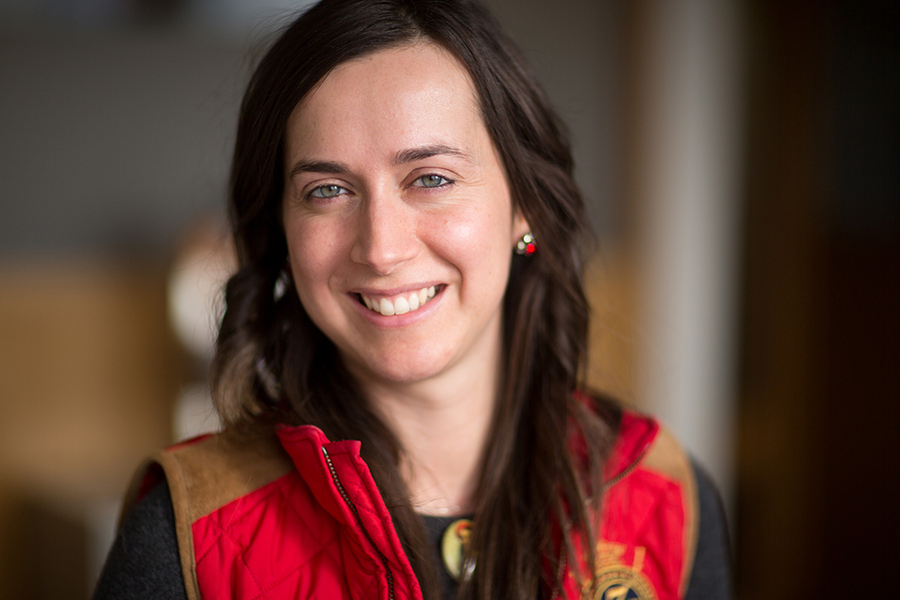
x=423 y=152
x=319 y=166
x=401 y=158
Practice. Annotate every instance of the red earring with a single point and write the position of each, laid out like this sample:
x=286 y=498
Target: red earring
x=526 y=245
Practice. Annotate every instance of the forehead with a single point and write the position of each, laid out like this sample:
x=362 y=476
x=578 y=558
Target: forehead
x=401 y=94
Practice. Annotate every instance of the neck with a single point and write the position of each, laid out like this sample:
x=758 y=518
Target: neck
x=442 y=424
x=443 y=438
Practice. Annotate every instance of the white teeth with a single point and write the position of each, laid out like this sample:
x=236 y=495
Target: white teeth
x=401 y=305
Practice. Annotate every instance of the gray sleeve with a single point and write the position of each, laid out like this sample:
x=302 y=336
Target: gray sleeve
x=143 y=563
x=711 y=575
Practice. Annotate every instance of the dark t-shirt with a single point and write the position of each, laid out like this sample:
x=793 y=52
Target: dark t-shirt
x=144 y=564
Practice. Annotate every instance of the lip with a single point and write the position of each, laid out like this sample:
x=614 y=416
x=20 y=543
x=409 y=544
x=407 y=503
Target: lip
x=395 y=321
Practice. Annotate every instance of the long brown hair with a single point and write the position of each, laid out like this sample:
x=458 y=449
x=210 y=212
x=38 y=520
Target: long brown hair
x=273 y=365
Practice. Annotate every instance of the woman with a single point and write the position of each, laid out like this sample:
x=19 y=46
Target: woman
x=408 y=319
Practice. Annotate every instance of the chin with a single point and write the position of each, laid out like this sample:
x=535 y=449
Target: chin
x=402 y=368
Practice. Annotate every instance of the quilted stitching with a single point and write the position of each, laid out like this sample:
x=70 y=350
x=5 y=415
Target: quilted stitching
x=213 y=519
x=222 y=529
x=280 y=580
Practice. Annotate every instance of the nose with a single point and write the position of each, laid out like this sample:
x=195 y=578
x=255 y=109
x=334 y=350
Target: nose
x=387 y=236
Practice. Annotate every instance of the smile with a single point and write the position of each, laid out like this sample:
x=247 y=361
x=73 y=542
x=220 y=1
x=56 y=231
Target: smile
x=398 y=305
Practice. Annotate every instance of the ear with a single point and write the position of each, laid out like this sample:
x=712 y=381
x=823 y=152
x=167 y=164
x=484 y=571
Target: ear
x=520 y=226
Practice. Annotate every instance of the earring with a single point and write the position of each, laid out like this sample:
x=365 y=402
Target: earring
x=526 y=245
x=281 y=284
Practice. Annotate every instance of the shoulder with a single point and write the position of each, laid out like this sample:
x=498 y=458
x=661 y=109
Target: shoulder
x=662 y=456
x=206 y=476
x=208 y=472
x=650 y=507
x=211 y=471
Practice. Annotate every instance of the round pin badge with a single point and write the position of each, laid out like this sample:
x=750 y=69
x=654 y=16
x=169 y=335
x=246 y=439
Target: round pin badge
x=454 y=546
x=621 y=583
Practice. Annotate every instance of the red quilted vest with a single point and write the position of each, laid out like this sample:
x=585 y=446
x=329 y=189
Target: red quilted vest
x=300 y=517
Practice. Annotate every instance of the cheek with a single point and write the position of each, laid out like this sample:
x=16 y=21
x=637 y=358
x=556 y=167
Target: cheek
x=312 y=254
x=478 y=242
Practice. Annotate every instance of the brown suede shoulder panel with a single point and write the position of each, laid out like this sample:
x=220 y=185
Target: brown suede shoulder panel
x=666 y=456
x=222 y=468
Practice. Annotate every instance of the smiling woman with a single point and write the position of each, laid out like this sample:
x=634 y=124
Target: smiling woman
x=402 y=385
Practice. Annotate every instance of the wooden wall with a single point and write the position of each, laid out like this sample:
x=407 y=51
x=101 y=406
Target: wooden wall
x=88 y=374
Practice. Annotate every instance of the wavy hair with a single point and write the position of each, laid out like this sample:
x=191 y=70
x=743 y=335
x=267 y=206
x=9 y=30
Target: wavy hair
x=272 y=365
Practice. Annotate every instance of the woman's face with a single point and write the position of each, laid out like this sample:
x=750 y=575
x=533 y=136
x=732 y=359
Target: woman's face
x=398 y=216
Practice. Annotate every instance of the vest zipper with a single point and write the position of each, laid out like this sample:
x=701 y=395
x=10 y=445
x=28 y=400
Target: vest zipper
x=340 y=487
x=626 y=471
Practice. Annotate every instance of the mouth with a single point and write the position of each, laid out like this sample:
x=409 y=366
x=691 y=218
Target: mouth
x=399 y=304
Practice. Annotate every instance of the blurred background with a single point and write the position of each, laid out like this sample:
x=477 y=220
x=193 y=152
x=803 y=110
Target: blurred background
x=741 y=161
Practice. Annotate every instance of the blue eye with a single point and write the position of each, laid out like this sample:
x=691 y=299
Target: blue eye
x=327 y=191
x=432 y=181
